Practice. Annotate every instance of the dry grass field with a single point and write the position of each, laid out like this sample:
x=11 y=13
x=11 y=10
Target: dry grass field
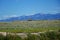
x=30 y=26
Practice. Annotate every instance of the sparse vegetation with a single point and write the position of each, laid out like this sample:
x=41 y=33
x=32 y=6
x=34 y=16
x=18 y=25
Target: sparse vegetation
x=30 y=26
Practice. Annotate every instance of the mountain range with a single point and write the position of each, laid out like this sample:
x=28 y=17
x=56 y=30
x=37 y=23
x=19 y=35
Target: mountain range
x=38 y=16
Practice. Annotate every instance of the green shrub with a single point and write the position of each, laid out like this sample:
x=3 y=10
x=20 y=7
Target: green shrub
x=32 y=37
x=1 y=37
x=12 y=37
x=51 y=35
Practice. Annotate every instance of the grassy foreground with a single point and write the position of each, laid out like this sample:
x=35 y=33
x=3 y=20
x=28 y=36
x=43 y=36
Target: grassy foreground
x=29 y=26
x=49 y=35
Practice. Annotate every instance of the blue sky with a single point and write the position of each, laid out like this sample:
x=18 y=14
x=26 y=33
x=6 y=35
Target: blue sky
x=13 y=8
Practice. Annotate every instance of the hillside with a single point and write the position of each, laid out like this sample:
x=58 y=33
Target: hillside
x=37 y=16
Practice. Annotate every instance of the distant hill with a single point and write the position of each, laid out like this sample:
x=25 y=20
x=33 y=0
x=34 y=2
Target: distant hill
x=37 y=16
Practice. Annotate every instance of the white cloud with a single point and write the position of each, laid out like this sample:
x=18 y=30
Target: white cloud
x=8 y=16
